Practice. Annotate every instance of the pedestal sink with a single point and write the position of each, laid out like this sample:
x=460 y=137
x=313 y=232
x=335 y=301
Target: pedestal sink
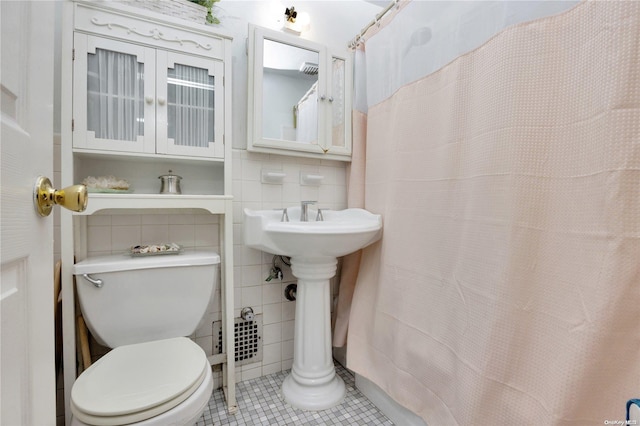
x=313 y=246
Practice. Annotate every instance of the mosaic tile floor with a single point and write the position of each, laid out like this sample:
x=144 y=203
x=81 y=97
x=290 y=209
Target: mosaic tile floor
x=260 y=403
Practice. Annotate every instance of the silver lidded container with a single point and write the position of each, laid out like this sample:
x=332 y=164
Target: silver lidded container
x=170 y=183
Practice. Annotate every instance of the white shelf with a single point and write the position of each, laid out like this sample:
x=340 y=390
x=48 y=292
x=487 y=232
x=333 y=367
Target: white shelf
x=142 y=156
x=215 y=204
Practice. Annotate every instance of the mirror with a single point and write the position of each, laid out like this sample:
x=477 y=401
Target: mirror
x=290 y=92
x=298 y=97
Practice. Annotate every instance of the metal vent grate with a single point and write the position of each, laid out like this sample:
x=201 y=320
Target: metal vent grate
x=309 y=68
x=247 y=337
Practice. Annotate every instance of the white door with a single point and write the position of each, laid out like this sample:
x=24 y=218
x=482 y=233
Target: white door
x=27 y=392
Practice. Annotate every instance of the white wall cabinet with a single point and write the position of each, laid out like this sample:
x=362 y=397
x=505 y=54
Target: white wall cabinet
x=135 y=98
x=143 y=92
x=299 y=97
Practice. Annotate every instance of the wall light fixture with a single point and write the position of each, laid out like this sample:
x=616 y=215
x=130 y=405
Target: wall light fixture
x=295 y=21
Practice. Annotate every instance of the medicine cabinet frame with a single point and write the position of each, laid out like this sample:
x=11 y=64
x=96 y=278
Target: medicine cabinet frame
x=328 y=87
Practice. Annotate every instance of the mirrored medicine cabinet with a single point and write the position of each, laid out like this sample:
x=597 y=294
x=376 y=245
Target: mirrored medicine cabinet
x=299 y=97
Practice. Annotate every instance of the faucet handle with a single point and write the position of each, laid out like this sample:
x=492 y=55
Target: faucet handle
x=285 y=215
x=319 y=217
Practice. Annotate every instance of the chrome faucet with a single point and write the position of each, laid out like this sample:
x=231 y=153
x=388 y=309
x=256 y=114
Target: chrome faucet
x=304 y=210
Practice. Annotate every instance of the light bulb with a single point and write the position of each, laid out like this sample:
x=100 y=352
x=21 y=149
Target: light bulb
x=303 y=21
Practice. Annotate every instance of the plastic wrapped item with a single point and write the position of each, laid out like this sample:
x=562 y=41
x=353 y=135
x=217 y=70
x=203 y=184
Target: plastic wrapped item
x=155 y=249
x=106 y=184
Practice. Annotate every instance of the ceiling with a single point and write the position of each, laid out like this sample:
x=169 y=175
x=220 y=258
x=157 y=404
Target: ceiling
x=381 y=3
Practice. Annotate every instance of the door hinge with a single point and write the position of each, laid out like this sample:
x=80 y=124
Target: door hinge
x=73 y=124
x=73 y=54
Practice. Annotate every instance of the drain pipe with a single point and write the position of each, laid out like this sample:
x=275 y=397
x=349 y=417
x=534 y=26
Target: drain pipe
x=290 y=292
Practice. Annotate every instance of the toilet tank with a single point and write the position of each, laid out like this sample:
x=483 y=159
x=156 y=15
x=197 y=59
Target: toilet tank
x=146 y=298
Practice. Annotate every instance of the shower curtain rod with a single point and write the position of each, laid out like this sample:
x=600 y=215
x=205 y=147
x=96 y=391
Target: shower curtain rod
x=356 y=39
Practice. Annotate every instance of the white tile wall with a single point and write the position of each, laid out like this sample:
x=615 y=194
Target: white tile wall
x=115 y=233
x=252 y=266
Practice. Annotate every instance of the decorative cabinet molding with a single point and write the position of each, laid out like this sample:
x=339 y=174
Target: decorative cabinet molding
x=154 y=33
x=136 y=27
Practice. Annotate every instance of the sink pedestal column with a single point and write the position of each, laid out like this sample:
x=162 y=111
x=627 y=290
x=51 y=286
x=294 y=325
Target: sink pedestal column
x=313 y=383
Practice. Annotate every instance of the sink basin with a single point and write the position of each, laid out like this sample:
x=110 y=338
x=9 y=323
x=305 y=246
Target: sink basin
x=313 y=247
x=340 y=233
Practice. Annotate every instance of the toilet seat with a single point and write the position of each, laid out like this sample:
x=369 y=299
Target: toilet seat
x=133 y=383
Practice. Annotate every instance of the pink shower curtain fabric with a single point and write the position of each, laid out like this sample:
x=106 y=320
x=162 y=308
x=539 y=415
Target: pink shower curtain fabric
x=506 y=287
x=355 y=199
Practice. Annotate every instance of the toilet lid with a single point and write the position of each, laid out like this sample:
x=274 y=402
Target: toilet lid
x=139 y=381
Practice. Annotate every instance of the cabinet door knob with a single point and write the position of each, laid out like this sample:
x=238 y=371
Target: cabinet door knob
x=323 y=97
x=330 y=98
x=162 y=101
x=148 y=99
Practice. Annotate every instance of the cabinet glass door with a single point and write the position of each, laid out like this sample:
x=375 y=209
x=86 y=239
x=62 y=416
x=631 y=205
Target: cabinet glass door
x=114 y=95
x=190 y=105
x=340 y=107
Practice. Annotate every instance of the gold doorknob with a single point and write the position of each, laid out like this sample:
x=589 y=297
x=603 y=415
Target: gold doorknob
x=45 y=196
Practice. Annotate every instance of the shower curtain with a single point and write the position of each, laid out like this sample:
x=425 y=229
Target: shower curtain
x=306 y=116
x=506 y=287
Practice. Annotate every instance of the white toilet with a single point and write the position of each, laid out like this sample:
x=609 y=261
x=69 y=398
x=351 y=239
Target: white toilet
x=142 y=307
